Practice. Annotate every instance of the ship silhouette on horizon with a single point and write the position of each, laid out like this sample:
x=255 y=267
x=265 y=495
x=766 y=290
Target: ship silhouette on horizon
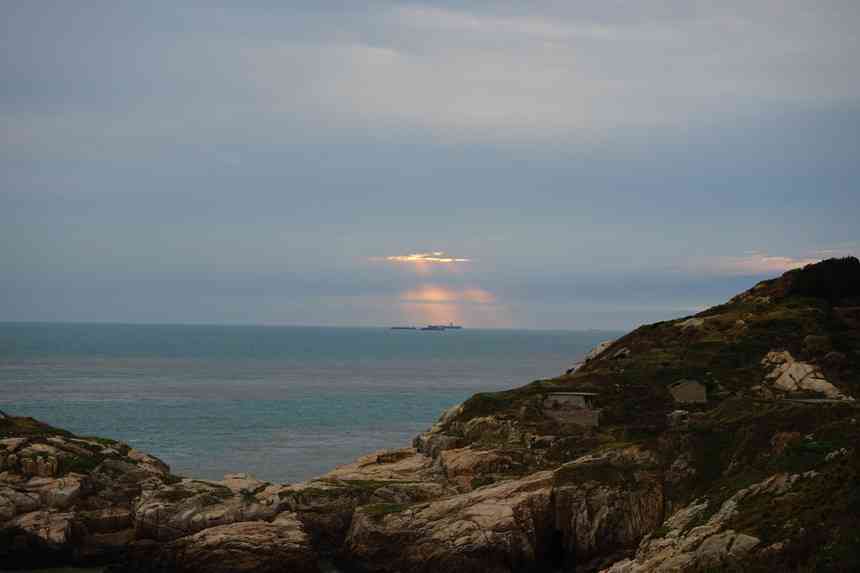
x=431 y=327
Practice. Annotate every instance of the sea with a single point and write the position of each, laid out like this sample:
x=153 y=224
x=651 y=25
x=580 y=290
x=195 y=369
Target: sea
x=282 y=403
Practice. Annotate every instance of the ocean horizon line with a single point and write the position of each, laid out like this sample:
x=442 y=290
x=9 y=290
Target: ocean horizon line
x=286 y=325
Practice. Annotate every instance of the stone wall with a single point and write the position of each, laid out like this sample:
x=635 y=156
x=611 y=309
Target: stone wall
x=561 y=401
x=582 y=416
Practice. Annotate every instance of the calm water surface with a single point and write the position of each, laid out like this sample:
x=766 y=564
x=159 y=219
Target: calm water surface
x=283 y=403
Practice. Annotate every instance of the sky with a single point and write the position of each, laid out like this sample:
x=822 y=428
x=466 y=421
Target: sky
x=552 y=165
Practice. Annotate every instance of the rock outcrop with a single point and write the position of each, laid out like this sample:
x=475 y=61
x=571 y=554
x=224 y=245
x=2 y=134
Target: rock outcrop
x=695 y=540
x=590 y=355
x=241 y=547
x=496 y=528
x=64 y=498
x=791 y=376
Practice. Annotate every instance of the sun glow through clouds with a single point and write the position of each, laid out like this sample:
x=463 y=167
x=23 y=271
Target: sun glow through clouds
x=442 y=294
x=429 y=300
x=440 y=304
x=433 y=257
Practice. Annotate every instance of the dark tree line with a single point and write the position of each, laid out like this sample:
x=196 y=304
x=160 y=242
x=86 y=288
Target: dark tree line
x=833 y=279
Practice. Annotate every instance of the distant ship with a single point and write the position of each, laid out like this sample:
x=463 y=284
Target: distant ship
x=435 y=327
x=450 y=326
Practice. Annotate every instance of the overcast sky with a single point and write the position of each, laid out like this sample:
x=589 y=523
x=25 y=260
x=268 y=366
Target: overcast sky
x=597 y=165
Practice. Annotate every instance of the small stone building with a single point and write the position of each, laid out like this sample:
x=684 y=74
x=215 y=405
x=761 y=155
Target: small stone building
x=689 y=392
x=572 y=408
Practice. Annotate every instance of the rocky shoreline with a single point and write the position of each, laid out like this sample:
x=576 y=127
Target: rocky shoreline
x=723 y=441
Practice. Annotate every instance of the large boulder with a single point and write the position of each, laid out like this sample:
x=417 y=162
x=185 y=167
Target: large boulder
x=326 y=505
x=498 y=528
x=67 y=499
x=279 y=546
x=190 y=506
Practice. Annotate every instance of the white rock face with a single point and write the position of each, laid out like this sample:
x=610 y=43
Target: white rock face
x=450 y=413
x=791 y=375
x=691 y=323
x=595 y=352
x=592 y=354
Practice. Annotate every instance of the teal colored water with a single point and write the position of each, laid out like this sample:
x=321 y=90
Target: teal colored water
x=283 y=403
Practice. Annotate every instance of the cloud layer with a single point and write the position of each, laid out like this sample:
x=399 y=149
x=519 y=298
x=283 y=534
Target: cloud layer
x=559 y=164
x=754 y=264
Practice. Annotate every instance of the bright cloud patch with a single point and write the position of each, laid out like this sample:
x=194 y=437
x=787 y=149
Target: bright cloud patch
x=756 y=263
x=434 y=257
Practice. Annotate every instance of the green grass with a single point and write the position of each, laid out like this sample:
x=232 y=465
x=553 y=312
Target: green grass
x=174 y=495
x=79 y=464
x=661 y=531
x=103 y=441
x=480 y=481
x=16 y=426
x=367 y=484
x=573 y=474
x=804 y=456
x=312 y=492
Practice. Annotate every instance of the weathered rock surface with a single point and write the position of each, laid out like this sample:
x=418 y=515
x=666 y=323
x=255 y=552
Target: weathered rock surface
x=190 y=506
x=127 y=503
x=326 y=505
x=604 y=504
x=279 y=546
x=593 y=504
x=694 y=322
x=67 y=499
x=496 y=528
x=693 y=543
x=790 y=375
x=590 y=355
x=465 y=466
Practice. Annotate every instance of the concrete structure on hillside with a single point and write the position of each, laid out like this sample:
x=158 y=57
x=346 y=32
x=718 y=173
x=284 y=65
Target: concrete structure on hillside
x=689 y=392
x=572 y=408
